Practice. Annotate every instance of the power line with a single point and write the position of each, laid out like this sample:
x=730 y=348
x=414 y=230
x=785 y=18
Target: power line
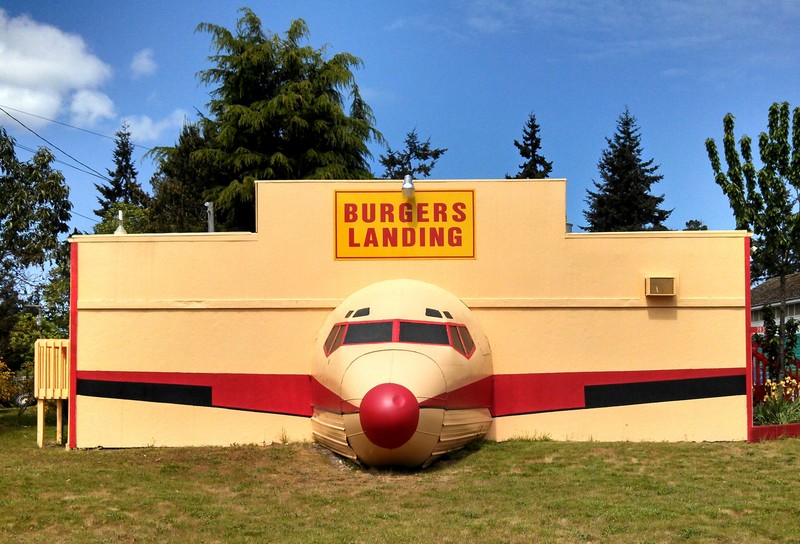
x=89 y=170
x=73 y=212
x=26 y=127
x=68 y=125
x=29 y=150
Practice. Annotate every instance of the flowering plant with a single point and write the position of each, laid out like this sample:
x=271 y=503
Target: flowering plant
x=781 y=403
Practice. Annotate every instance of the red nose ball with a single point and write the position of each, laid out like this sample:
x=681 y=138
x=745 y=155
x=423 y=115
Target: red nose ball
x=389 y=415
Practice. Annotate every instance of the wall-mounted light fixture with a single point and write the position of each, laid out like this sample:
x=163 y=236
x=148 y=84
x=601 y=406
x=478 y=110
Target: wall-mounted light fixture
x=408 y=186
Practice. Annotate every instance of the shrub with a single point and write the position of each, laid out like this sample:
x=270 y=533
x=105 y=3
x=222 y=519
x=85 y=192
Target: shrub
x=8 y=384
x=781 y=403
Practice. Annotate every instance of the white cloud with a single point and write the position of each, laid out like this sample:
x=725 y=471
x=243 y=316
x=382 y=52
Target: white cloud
x=43 y=67
x=38 y=101
x=491 y=17
x=619 y=28
x=143 y=64
x=144 y=129
x=88 y=107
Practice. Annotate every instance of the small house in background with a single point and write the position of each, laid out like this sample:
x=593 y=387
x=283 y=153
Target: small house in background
x=768 y=295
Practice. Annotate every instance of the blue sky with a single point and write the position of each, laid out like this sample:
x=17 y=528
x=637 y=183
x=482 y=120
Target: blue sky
x=465 y=74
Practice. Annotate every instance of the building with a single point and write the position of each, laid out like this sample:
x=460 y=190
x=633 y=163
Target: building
x=207 y=339
x=767 y=294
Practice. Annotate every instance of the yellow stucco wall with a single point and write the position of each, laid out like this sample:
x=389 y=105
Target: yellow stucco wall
x=124 y=424
x=549 y=301
x=660 y=422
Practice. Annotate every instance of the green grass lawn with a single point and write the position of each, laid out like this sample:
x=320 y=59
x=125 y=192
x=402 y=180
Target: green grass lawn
x=519 y=491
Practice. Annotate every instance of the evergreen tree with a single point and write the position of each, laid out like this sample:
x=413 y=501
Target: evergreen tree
x=135 y=219
x=417 y=159
x=695 y=224
x=280 y=110
x=122 y=186
x=535 y=165
x=179 y=183
x=623 y=201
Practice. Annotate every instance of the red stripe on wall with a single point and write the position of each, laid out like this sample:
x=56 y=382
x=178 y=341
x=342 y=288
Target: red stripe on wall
x=73 y=344
x=531 y=393
x=276 y=393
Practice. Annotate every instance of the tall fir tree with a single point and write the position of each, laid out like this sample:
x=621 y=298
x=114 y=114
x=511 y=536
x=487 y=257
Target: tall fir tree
x=623 y=201
x=122 y=186
x=279 y=109
x=178 y=184
x=535 y=165
x=416 y=159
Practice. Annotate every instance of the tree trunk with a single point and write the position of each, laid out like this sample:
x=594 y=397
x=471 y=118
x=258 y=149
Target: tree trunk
x=782 y=330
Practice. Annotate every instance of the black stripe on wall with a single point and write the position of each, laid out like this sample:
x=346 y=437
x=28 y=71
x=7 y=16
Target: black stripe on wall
x=192 y=395
x=624 y=394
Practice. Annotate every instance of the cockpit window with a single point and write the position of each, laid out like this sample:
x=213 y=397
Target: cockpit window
x=412 y=332
x=424 y=333
x=456 y=338
x=361 y=313
x=367 y=333
x=432 y=312
x=334 y=339
x=469 y=344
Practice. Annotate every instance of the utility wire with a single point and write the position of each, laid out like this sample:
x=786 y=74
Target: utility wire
x=91 y=171
x=68 y=125
x=51 y=143
x=73 y=212
x=29 y=150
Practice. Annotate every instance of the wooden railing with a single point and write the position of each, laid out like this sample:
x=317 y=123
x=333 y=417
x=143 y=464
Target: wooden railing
x=50 y=382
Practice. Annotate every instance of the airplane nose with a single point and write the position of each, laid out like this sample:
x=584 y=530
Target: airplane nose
x=389 y=415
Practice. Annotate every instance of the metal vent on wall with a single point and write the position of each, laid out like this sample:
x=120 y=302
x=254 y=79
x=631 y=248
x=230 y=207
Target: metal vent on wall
x=659 y=287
